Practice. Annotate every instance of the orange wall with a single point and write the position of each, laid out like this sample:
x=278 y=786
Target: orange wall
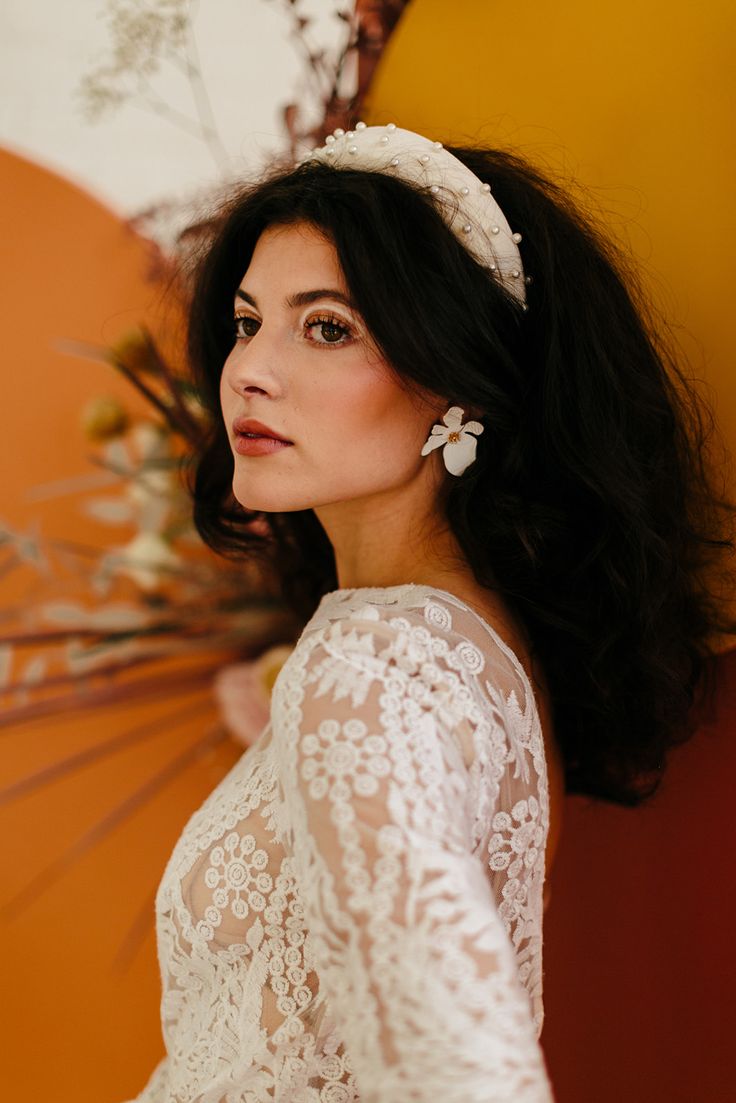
x=75 y=1025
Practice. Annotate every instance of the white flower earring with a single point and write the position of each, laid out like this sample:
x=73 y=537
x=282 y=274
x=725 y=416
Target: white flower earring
x=456 y=440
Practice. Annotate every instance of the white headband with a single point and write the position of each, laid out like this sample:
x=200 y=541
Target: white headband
x=465 y=202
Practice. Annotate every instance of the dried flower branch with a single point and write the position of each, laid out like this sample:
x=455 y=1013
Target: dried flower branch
x=145 y=35
x=225 y=627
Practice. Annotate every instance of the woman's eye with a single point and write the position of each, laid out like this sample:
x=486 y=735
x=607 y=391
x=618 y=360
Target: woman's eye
x=323 y=330
x=329 y=331
x=245 y=326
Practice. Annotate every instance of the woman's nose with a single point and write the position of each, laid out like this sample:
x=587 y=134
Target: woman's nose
x=250 y=367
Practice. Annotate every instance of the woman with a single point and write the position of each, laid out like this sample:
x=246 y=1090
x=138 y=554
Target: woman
x=458 y=447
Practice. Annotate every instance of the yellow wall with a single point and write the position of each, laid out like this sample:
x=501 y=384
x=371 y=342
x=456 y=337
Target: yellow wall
x=634 y=100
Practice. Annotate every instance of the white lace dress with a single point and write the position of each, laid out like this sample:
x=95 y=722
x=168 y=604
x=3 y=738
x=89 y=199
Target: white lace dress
x=355 y=912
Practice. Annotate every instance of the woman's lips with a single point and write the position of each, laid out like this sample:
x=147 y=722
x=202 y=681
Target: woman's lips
x=246 y=445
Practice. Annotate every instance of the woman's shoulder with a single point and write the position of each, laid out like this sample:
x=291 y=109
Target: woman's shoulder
x=429 y=649
x=417 y=629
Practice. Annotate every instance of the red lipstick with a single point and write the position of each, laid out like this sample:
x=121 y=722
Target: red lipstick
x=256 y=428
x=253 y=438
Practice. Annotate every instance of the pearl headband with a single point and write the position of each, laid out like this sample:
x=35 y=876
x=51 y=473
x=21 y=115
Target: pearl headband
x=465 y=202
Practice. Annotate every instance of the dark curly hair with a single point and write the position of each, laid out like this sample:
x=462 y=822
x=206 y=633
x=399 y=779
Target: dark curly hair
x=592 y=506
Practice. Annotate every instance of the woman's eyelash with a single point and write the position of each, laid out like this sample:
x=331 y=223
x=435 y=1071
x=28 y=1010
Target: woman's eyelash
x=333 y=323
x=326 y=321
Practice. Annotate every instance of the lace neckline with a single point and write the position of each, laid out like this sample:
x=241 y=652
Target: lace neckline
x=459 y=602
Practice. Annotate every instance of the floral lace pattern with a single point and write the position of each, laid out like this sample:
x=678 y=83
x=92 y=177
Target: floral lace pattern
x=355 y=912
x=235 y=870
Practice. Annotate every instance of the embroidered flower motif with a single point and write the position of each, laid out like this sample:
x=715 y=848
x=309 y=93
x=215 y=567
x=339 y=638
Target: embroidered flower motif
x=523 y=838
x=470 y=657
x=236 y=867
x=329 y=760
x=438 y=617
x=456 y=439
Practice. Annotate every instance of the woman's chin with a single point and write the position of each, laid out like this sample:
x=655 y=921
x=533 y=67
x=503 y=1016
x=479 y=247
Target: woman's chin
x=269 y=503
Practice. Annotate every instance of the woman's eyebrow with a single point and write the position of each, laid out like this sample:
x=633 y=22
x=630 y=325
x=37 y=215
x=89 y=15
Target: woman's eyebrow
x=303 y=298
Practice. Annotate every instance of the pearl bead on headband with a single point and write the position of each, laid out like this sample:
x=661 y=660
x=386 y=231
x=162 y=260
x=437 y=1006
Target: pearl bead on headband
x=465 y=202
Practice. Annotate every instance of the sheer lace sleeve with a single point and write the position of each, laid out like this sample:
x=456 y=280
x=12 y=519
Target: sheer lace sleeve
x=416 y=964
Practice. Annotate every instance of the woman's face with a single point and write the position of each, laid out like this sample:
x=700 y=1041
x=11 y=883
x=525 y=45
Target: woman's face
x=304 y=366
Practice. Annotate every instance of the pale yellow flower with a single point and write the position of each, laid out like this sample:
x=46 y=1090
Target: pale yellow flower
x=147 y=559
x=243 y=692
x=104 y=419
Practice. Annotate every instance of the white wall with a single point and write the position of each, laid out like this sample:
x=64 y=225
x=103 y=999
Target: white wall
x=133 y=157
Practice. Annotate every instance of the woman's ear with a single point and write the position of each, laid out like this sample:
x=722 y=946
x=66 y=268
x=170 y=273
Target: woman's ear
x=470 y=413
x=470 y=410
